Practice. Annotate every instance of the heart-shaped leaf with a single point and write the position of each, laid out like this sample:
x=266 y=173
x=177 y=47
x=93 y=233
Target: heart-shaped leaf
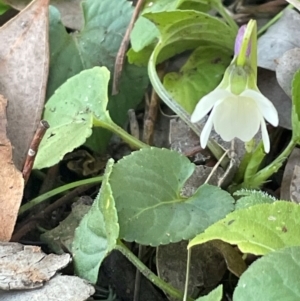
x=259 y=229
x=201 y=73
x=97 y=233
x=70 y=113
x=97 y=44
x=147 y=189
x=275 y=276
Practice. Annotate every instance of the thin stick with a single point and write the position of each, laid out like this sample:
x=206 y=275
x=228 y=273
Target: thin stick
x=137 y=282
x=151 y=110
x=30 y=223
x=39 y=134
x=215 y=167
x=120 y=58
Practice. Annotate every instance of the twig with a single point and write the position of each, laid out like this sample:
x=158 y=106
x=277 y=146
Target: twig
x=30 y=223
x=120 y=58
x=151 y=111
x=133 y=124
x=137 y=282
x=39 y=134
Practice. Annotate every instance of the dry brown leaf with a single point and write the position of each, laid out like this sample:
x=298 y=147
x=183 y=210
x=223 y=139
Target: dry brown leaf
x=286 y=68
x=11 y=180
x=290 y=178
x=70 y=10
x=26 y=267
x=23 y=74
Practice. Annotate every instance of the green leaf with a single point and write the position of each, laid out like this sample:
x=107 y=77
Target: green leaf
x=201 y=73
x=296 y=106
x=275 y=276
x=97 y=233
x=214 y=295
x=97 y=44
x=251 y=198
x=188 y=30
x=259 y=229
x=147 y=188
x=70 y=113
x=3 y=8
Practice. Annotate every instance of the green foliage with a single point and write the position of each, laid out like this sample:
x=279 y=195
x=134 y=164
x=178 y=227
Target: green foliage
x=259 y=229
x=296 y=106
x=147 y=187
x=97 y=233
x=214 y=295
x=272 y=277
x=96 y=44
x=3 y=8
x=252 y=197
x=70 y=113
x=201 y=73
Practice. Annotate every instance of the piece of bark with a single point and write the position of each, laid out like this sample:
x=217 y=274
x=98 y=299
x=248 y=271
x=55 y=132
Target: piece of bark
x=27 y=267
x=59 y=288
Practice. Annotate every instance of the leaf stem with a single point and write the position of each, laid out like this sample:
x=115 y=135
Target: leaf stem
x=259 y=178
x=168 y=289
x=108 y=124
x=56 y=191
x=217 y=4
x=175 y=107
x=273 y=20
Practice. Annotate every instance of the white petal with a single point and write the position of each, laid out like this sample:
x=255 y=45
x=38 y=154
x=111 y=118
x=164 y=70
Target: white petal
x=265 y=105
x=206 y=103
x=237 y=116
x=206 y=130
x=265 y=135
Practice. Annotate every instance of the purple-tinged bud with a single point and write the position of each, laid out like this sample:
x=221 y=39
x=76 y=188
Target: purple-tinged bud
x=239 y=40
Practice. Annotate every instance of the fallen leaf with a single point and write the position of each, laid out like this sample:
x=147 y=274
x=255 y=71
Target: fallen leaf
x=287 y=66
x=296 y=3
x=70 y=10
x=269 y=87
x=59 y=288
x=26 y=267
x=289 y=177
x=11 y=180
x=23 y=74
x=279 y=38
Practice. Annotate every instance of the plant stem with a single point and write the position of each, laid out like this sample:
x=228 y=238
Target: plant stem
x=218 y=5
x=56 y=191
x=187 y=275
x=259 y=178
x=108 y=124
x=272 y=21
x=168 y=289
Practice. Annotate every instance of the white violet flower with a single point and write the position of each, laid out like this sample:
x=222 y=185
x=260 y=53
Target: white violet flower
x=238 y=109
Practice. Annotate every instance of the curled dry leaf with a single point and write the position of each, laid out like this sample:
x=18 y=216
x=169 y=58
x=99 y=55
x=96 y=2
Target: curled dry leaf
x=70 y=10
x=23 y=74
x=11 y=180
x=26 y=267
x=290 y=185
x=268 y=85
x=287 y=66
x=279 y=38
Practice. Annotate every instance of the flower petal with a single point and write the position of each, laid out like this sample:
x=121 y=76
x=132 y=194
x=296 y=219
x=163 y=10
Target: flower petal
x=206 y=103
x=237 y=116
x=265 y=135
x=206 y=130
x=265 y=105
